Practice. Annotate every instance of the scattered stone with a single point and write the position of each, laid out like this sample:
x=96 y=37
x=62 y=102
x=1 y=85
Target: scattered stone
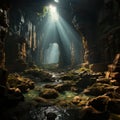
x=39 y=73
x=90 y=113
x=99 y=89
x=76 y=100
x=99 y=103
x=61 y=87
x=49 y=93
x=17 y=81
x=82 y=103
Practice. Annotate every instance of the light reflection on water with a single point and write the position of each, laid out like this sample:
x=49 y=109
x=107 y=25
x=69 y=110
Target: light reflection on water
x=40 y=113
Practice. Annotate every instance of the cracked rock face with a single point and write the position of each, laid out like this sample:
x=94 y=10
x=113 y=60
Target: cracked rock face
x=3 y=32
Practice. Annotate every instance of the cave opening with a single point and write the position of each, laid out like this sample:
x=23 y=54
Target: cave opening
x=52 y=53
x=57 y=30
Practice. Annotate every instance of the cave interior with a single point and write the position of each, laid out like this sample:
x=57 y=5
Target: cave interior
x=60 y=60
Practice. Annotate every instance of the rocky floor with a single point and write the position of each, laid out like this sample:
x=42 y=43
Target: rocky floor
x=78 y=94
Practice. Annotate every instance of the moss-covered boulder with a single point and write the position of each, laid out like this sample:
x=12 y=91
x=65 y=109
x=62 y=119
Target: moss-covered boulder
x=90 y=113
x=99 y=103
x=17 y=81
x=49 y=94
x=99 y=89
x=38 y=73
x=65 y=86
x=76 y=100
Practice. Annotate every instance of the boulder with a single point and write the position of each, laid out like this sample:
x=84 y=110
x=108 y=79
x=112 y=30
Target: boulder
x=99 y=89
x=61 y=87
x=49 y=93
x=99 y=103
x=76 y=100
x=17 y=81
x=39 y=73
x=90 y=113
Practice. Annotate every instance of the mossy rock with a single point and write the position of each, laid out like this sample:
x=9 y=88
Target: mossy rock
x=39 y=73
x=99 y=89
x=66 y=86
x=49 y=94
x=17 y=81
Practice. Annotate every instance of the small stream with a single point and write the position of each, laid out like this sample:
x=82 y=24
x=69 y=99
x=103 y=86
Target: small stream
x=56 y=112
x=41 y=112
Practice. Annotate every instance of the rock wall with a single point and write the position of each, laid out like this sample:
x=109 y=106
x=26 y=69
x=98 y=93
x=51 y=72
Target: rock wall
x=109 y=29
x=22 y=41
x=3 y=32
x=101 y=37
x=85 y=16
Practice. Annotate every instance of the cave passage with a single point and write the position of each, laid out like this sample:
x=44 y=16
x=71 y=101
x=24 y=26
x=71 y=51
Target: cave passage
x=60 y=60
x=65 y=36
x=51 y=54
x=43 y=35
x=58 y=32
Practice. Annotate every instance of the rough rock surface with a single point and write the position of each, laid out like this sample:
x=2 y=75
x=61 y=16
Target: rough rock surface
x=49 y=94
x=17 y=81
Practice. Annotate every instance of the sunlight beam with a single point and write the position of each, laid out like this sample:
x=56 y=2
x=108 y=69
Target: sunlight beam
x=56 y=1
x=53 y=12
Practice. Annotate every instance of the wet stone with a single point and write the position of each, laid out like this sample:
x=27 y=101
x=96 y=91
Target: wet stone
x=49 y=93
